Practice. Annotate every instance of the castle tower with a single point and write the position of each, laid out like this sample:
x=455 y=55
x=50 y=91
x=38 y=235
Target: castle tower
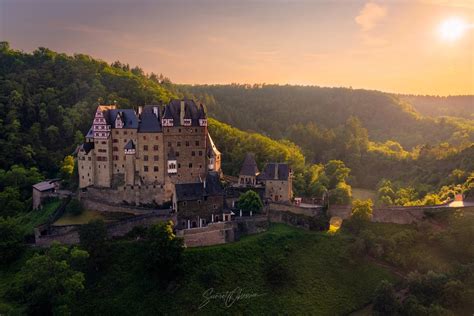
x=130 y=163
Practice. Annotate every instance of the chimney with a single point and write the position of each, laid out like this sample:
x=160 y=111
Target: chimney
x=181 y=113
x=140 y=110
x=276 y=171
x=155 y=110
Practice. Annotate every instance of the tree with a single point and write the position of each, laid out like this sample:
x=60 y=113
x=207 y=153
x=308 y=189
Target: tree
x=74 y=207
x=250 y=202
x=67 y=167
x=163 y=253
x=47 y=284
x=361 y=214
x=341 y=194
x=11 y=239
x=385 y=301
x=92 y=237
x=337 y=172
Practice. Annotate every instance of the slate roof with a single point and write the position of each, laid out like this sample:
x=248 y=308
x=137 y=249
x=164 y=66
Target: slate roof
x=46 y=185
x=128 y=115
x=129 y=145
x=275 y=171
x=192 y=111
x=249 y=167
x=90 y=133
x=197 y=191
x=88 y=146
x=149 y=122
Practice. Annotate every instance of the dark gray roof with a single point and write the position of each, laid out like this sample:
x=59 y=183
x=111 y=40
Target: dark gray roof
x=275 y=171
x=192 y=111
x=129 y=145
x=90 y=133
x=197 y=191
x=249 y=167
x=149 y=121
x=128 y=115
x=88 y=146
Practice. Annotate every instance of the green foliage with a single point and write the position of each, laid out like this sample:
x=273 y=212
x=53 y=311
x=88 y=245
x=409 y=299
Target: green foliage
x=163 y=253
x=235 y=144
x=11 y=239
x=48 y=99
x=74 y=207
x=341 y=194
x=385 y=301
x=47 y=283
x=250 y=201
x=315 y=262
x=92 y=237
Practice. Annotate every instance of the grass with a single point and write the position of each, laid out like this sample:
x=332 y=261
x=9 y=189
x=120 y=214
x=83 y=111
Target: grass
x=37 y=217
x=364 y=194
x=85 y=217
x=321 y=278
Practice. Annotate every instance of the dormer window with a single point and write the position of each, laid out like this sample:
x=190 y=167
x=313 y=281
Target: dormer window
x=202 y=122
x=187 y=122
x=167 y=122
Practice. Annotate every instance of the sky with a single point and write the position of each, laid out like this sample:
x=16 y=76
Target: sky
x=393 y=46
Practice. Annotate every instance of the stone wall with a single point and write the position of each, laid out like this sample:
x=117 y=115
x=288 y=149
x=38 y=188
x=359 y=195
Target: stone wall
x=223 y=232
x=100 y=206
x=132 y=194
x=286 y=207
x=318 y=222
x=45 y=236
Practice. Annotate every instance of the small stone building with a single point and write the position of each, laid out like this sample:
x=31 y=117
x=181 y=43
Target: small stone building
x=198 y=204
x=249 y=171
x=277 y=179
x=43 y=190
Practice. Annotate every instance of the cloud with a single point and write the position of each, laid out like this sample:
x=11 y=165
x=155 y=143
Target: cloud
x=370 y=15
x=466 y=4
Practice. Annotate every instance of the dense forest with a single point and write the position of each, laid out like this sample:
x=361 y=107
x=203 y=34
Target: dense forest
x=457 y=106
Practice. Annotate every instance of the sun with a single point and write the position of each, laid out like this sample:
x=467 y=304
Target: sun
x=452 y=29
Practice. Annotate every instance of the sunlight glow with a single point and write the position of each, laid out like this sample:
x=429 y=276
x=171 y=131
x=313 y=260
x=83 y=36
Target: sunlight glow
x=452 y=29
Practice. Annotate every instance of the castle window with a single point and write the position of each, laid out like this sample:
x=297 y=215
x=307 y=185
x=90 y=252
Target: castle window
x=187 y=144
x=103 y=143
x=197 y=143
x=144 y=137
x=115 y=140
x=193 y=153
x=89 y=158
x=184 y=203
x=190 y=165
x=177 y=154
x=200 y=166
x=178 y=144
x=145 y=158
x=156 y=137
x=200 y=153
x=145 y=168
x=145 y=147
x=196 y=130
x=125 y=132
x=155 y=168
x=179 y=130
x=155 y=158
x=155 y=147
x=124 y=140
x=179 y=165
x=116 y=132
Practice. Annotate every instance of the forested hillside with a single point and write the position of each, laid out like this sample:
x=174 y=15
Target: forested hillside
x=273 y=110
x=461 y=106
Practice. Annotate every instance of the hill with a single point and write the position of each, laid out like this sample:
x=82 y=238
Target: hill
x=461 y=106
x=273 y=110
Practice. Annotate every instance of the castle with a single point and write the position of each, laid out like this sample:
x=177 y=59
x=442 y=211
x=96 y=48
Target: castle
x=164 y=157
